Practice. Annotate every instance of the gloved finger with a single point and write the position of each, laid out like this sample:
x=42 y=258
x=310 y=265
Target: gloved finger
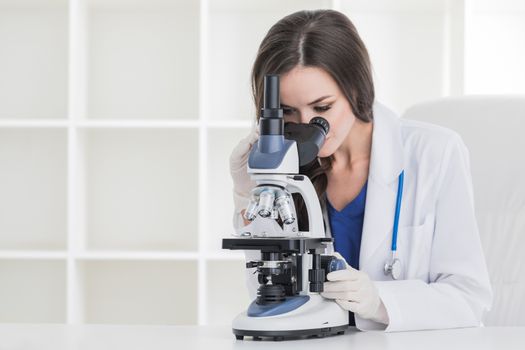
x=349 y=305
x=339 y=256
x=240 y=153
x=252 y=136
x=349 y=273
x=346 y=295
x=341 y=286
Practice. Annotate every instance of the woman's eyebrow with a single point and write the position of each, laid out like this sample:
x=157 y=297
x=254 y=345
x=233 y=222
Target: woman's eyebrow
x=313 y=102
x=319 y=99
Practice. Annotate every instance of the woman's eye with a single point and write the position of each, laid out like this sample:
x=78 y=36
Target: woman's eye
x=287 y=111
x=322 y=108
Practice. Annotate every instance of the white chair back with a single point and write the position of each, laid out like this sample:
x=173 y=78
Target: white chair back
x=493 y=128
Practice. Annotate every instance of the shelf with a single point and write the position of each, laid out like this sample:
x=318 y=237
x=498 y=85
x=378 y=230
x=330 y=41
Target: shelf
x=219 y=199
x=226 y=255
x=142 y=59
x=33 y=63
x=32 y=255
x=33 y=187
x=34 y=123
x=114 y=255
x=231 y=124
x=228 y=296
x=142 y=292
x=126 y=123
x=142 y=255
x=32 y=291
x=141 y=189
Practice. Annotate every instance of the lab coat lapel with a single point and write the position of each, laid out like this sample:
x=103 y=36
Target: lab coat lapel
x=386 y=163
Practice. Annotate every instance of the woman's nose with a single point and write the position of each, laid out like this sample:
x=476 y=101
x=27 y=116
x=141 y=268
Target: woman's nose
x=306 y=117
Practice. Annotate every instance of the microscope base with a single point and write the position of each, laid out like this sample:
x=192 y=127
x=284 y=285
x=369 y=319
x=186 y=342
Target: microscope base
x=282 y=335
x=319 y=317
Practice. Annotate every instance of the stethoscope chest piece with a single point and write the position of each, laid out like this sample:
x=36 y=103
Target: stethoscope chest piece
x=393 y=268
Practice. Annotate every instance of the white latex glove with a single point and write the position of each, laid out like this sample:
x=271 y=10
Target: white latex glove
x=354 y=291
x=242 y=184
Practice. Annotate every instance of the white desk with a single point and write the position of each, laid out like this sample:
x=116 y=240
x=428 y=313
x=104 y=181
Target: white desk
x=116 y=337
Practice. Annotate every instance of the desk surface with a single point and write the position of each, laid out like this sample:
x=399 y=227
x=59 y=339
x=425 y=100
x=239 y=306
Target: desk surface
x=58 y=337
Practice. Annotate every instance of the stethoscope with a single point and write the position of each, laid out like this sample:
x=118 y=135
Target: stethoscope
x=393 y=267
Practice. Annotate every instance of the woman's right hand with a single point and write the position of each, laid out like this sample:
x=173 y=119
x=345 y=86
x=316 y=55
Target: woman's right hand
x=242 y=184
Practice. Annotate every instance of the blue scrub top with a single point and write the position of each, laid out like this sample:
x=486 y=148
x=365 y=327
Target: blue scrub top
x=347 y=227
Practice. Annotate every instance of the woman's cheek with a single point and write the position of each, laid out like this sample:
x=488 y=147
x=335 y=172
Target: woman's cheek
x=326 y=149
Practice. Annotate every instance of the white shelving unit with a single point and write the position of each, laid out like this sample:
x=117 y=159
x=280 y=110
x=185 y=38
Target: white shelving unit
x=117 y=118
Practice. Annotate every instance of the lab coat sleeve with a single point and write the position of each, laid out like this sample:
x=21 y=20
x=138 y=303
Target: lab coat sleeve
x=459 y=290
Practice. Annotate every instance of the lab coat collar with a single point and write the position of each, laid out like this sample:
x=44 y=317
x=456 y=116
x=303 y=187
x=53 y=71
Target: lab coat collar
x=386 y=163
x=386 y=159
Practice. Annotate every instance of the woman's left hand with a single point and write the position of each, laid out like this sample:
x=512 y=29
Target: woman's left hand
x=354 y=291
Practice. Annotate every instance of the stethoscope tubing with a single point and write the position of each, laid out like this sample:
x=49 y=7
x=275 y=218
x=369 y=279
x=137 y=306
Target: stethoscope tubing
x=398 y=210
x=393 y=267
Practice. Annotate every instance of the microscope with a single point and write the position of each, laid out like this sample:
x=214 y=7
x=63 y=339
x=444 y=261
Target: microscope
x=293 y=264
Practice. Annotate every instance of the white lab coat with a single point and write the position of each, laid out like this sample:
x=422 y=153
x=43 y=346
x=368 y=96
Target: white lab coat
x=444 y=281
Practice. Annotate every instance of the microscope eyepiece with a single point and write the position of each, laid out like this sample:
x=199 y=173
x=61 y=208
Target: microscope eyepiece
x=321 y=123
x=271 y=121
x=271 y=91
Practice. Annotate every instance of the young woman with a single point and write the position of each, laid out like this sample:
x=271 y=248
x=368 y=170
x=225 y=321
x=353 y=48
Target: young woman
x=372 y=165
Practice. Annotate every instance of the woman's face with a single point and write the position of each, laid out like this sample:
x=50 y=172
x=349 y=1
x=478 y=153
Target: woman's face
x=307 y=92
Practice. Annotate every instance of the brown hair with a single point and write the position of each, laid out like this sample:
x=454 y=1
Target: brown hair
x=326 y=39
